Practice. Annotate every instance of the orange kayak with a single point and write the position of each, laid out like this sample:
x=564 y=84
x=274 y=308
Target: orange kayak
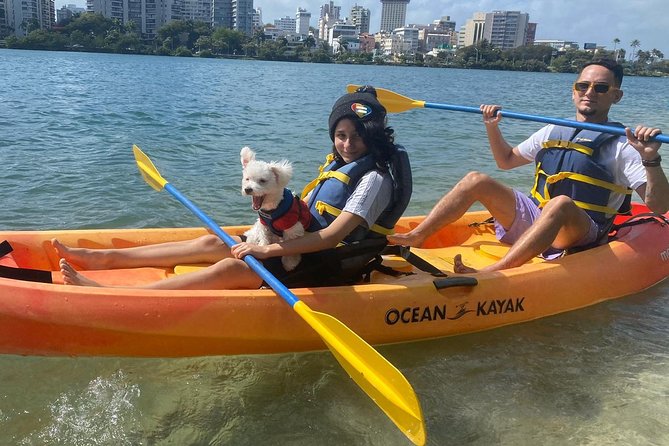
x=53 y=319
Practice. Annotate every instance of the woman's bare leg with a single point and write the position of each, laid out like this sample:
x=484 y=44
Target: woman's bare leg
x=228 y=273
x=206 y=249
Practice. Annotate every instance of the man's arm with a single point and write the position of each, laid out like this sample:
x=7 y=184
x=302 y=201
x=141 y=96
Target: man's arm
x=506 y=156
x=655 y=193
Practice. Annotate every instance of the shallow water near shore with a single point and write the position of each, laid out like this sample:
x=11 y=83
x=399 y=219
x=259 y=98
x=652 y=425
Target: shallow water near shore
x=596 y=376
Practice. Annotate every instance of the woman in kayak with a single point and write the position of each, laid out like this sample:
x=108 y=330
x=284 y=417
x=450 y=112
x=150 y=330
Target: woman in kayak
x=363 y=149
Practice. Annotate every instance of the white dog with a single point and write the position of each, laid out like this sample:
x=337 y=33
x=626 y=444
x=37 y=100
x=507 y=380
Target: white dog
x=281 y=215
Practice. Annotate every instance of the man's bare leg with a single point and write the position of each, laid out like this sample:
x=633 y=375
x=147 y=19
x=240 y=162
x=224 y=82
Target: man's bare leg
x=561 y=224
x=499 y=199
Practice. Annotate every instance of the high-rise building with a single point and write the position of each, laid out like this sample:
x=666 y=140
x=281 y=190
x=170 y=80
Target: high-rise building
x=286 y=24
x=329 y=16
x=393 y=14
x=506 y=29
x=150 y=15
x=360 y=18
x=531 y=34
x=257 y=18
x=471 y=32
x=302 y=19
x=64 y=13
x=19 y=16
x=196 y=10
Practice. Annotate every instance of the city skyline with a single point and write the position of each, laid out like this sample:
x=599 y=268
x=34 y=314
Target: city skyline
x=597 y=21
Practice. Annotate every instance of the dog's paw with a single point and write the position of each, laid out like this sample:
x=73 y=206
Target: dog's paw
x=290 y=262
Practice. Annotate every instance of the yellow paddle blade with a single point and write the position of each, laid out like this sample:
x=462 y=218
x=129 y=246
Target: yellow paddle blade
x=148 y=170
x=380 y=380
x=393 y=102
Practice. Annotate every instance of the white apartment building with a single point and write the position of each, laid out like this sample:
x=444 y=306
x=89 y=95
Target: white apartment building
x=560 y=45
x=16 y=16
x=360 y=18
x=393 y=14
x=404 y=40
x=196 y=10
x=342 y=33
x=329 y=16
x=471 y=32
x=506 y=29
x=302 y=19
x=287 y=24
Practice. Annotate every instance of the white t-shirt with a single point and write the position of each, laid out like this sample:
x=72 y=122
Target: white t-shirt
x=371 y=196
x=621 y=159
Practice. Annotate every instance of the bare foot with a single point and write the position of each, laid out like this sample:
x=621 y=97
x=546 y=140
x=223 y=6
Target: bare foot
x=406 y=239
x=73 y=277
x=83 y=257
x=461 y=268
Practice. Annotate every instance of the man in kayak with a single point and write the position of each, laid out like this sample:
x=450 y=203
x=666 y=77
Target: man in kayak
x=583 y=179
x=354 y=200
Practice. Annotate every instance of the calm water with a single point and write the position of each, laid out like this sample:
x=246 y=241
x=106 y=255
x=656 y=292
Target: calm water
x=597 y=376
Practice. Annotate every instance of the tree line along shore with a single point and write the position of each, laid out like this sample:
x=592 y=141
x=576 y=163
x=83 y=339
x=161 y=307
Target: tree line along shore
x=95 y=33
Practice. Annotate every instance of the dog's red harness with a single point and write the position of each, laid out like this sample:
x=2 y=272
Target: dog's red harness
x=290 y=211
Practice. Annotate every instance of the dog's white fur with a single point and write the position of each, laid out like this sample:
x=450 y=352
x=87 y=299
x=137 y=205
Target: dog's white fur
x=265 y=183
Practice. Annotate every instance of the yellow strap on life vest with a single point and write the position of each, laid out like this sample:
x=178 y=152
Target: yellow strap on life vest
x=560 y=144
x=550 y=179
x=322 y=177
x=590 y=180
x=322 y=207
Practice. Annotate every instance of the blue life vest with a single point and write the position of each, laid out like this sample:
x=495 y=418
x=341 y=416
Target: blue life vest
x=337 y=181
x=571 y=163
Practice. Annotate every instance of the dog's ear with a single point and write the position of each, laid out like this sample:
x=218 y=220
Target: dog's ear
x=247 y=155
x=283 y=171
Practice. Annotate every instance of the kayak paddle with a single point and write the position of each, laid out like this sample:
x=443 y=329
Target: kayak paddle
x=372 y=372
x=396 y=103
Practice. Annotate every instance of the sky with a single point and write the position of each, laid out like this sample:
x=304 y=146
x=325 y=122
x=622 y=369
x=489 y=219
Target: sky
x=592 y=21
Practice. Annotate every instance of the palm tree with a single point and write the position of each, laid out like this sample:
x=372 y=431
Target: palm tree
x=634 y=44
x=657 y=54
x=616 y=41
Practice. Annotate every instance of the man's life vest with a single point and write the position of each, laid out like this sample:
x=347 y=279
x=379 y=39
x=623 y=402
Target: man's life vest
x=572 y=163
x=337 y=181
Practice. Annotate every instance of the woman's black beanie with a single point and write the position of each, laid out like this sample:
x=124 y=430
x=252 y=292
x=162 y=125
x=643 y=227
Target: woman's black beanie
x=361 y=105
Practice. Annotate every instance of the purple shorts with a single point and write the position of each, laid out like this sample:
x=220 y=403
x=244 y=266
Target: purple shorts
x=526 y=213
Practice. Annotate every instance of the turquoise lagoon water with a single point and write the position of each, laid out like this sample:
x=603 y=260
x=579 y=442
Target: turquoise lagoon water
x=597 y=376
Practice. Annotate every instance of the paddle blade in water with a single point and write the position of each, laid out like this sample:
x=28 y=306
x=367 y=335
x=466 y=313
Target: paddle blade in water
x=148 y=170
x=393 y=102
x=380 y=380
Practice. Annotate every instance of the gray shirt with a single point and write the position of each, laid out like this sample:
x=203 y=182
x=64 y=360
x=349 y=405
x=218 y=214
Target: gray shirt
x=371 y=196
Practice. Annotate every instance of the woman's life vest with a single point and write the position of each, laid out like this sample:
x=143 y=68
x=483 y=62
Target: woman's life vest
x=328 y=193
x=360 y=253
x=573 y=163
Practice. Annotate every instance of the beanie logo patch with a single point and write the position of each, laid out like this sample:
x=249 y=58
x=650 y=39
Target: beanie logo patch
x=361 y=110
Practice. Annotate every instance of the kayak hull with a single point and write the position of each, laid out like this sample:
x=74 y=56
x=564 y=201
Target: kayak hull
x=59 y=320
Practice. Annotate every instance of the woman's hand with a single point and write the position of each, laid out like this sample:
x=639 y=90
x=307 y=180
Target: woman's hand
x=244 y=249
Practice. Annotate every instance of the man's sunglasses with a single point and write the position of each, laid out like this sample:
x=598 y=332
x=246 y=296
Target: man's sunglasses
x=583 y=87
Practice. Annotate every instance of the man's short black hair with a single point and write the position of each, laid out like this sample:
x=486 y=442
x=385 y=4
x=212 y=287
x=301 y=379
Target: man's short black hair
x=611 y=65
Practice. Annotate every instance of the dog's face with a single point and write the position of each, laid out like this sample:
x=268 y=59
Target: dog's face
x=264 y=181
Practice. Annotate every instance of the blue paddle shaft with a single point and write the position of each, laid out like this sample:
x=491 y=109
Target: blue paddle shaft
x=536 y=118
x=255 y=265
